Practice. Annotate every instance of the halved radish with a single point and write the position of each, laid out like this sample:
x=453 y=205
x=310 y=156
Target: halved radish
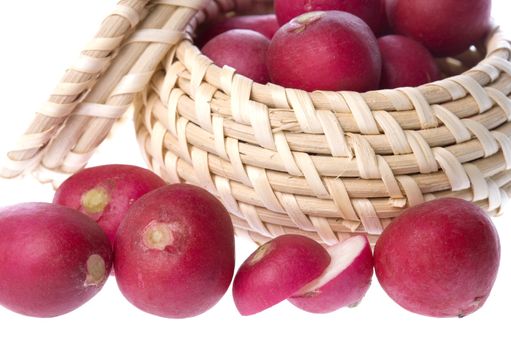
x=277 y=270
x=344 y=282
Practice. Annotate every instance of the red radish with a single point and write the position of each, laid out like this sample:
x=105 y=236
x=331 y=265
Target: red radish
x=277 y=270
x=174 y=254
x=368 y=10
x=106 y=192
x=267 y=25
x=242 y=49
x=330 y=50
x=53 y=259
x=405 y=62
x=439 y=258
x=344 y=282
x=445 y=27
x=384 y=26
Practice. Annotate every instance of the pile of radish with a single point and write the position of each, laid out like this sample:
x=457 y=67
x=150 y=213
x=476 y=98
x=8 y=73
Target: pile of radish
x=172 y=249
x=172 y=246
x=355 y=45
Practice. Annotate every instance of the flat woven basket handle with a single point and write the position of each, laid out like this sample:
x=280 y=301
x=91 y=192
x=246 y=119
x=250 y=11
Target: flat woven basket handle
x=53 y=149
x=76 y=83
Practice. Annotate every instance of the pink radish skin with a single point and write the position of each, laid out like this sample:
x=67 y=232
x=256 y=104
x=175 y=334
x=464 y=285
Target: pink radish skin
x=267 y=25
x=242 y=49
x=405 y=62
x=53 y=259
x=277 y=270
x=445 y=27
x=370 y=11
x=174 y=254
x=106 y=192
x=329 y=50
x=344 y=282
x=384 y=25
x=439 y=258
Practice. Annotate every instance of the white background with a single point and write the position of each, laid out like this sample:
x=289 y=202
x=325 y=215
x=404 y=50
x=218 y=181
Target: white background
x=39 y=39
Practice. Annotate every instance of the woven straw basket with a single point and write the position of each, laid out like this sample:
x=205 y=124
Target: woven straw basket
x=323 y=164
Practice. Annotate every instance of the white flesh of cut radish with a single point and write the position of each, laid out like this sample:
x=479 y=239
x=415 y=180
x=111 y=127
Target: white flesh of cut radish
x=342 y=254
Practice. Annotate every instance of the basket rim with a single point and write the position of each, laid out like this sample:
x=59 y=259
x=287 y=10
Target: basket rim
x=498 y=50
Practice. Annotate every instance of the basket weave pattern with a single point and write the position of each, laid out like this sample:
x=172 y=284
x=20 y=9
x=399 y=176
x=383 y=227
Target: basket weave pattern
x=323 y=164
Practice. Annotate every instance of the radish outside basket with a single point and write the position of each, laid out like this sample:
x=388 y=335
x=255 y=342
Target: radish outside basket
x=324 y=164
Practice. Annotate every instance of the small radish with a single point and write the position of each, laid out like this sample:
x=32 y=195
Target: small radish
x=267 y=25
x=439 y=258
x=53 y=259
x=277 y=270
x=106 y=192
x=242 y=49
x=344 y=282
x=174 y=253
x=370 y=11
x=330 y=50
x=445 y=27
x=405 y=62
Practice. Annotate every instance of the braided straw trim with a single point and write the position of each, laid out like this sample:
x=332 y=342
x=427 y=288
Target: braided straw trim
x=77 y=81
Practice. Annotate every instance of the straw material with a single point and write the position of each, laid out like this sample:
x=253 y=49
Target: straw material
x=324 y=164
x=74 y=86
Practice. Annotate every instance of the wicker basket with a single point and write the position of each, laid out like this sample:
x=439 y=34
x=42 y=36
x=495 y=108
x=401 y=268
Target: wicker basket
x=324 y=164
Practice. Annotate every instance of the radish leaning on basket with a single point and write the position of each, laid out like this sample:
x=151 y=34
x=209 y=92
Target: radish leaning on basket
x=105 y=193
